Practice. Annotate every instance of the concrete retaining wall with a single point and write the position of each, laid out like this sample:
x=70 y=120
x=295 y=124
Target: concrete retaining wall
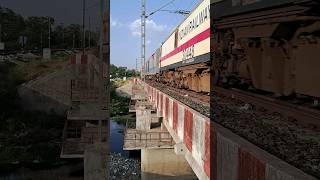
x=32 y=100
x=47 y=93
x=213 y=151
x=187 y=127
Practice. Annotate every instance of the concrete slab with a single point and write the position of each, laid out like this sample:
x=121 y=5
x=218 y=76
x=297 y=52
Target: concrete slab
x=88 y=111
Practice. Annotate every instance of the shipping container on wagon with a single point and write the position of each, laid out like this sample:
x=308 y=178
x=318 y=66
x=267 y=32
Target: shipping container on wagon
x=149 y=65
x=153 y=63
x=157 y=57
x=190 y=42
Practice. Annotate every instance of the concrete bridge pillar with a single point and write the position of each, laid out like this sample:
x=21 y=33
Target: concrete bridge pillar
x=164 y=164
x=143 y=119
x=95 y=161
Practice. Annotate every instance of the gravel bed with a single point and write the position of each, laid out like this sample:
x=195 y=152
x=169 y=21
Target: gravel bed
x=122 y=168
x=199 y=106
x=287 y=140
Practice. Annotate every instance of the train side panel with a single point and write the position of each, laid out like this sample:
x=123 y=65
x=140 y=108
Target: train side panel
x=190 y=40
x=167 y=47
x=157 y=58
x=152 y=65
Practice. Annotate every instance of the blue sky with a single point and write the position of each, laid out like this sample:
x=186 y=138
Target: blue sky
x=125 y=27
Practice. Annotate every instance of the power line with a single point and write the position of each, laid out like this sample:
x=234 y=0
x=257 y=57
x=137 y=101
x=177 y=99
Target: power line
x=161 y=8
x=182 y=12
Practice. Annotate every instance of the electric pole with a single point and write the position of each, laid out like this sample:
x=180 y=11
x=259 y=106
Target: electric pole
x=49 y=36
x=83 y=26
x=89 y=43
x=144 y=16
x=143 y=36
x=62 y=35
x=0 y=31
x=41 y=41
x=101 y=9
x=73 y=40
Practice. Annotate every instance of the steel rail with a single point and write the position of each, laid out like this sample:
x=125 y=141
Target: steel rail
x=303 y=115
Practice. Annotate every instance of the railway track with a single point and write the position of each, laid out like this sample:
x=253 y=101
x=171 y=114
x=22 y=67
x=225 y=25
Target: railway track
x=303 y=115
x=197 y=101
x=205 y=98
x=278 y=127
x=201 y=97
x=295 y=113
x=287 y=131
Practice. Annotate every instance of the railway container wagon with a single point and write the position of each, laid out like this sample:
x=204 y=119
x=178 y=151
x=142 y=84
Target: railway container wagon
x=152 y=65
x=268 y=45
x=185 y=55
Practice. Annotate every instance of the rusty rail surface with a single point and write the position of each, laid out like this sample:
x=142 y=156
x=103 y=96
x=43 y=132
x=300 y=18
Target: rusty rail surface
x=303 y=115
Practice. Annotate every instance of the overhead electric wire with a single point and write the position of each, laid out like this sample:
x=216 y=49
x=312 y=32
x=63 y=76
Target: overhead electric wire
x=161 y=8
x=183 y=12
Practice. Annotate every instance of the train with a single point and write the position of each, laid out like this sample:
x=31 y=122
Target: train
x=267 y=45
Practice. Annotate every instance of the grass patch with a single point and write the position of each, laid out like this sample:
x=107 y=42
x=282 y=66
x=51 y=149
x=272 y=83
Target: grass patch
x=120 y=105
x=25 y=136
x=37 y=68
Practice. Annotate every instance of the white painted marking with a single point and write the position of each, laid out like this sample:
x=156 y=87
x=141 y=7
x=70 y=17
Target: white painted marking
x=198 y=139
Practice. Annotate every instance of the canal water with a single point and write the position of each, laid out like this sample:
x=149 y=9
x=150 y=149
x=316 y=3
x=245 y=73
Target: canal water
x=116 y=145
x=116 y=138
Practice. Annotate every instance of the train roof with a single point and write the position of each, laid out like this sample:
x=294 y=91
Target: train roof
x=199 y=3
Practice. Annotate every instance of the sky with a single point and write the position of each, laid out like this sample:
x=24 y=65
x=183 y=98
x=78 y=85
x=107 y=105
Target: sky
x=125 y=21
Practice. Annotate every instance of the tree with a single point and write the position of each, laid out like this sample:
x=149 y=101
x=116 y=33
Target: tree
x=59 y=35
x=120 y=72
x=37 y=31
x=12 y=25
x=73 y=33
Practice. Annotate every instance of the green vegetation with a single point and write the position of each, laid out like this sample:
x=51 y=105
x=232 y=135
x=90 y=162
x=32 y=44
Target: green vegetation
x=26 y=138
x=37 y=68
x=35 y=29
x=32 y=139
x=10 y=79
x=120 y=106
x=120 y=72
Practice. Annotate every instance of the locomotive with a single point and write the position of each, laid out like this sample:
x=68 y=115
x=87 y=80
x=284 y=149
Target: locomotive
x=268 y=45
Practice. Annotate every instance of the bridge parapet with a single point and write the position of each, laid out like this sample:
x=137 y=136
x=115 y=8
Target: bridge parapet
x=148 y=133
x=189 y=128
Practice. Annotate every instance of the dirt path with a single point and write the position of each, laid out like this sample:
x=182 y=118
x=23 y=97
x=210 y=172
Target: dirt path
x=125 y=90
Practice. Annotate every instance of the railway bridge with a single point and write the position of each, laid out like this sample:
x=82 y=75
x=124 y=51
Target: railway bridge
x=170 y=132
